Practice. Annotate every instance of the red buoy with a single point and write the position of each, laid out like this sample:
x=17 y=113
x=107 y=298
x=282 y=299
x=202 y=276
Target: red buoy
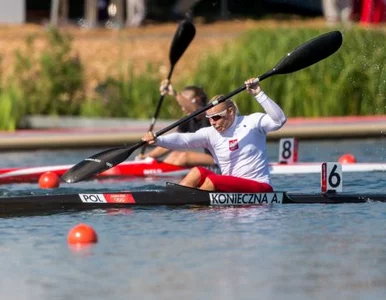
x=82 y=234
x=49 y=180
x=347 y=159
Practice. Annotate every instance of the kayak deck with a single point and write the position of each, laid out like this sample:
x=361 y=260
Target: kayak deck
x=173 y=195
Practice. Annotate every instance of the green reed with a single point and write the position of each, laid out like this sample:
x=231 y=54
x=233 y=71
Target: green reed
x=51 y=80
x=127 y=96
x=11 y=109
x=350 y=82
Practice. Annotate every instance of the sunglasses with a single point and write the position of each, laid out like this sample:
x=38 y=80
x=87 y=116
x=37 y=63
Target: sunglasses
x=217 y=116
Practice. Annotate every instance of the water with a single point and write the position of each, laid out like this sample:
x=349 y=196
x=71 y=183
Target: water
x=269 y=252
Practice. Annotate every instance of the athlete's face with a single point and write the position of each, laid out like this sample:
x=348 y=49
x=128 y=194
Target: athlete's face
x=221 y=116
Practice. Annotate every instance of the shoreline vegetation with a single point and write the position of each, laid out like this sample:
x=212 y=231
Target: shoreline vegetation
x=101 y=73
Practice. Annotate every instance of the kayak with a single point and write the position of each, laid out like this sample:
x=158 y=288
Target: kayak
x=173 y=195
x=145 y=167
x=150 y=167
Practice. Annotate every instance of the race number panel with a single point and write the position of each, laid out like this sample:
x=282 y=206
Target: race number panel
x=288 y=151
x=331 y=177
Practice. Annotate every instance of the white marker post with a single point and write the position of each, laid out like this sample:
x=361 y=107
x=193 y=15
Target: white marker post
x=288 y=151
x=331 y=177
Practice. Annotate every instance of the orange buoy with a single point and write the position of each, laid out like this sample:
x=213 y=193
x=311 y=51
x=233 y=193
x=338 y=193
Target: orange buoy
x=49 y=180
x=82 y=234
x=347 y=159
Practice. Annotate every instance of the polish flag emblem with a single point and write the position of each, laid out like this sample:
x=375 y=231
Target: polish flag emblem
x=233 y=145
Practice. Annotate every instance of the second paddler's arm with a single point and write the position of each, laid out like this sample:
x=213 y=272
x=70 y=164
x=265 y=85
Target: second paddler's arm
x=155 y=153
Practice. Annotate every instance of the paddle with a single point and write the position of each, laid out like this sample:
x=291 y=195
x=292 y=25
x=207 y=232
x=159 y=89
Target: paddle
x=305 y=55
x=182 y=38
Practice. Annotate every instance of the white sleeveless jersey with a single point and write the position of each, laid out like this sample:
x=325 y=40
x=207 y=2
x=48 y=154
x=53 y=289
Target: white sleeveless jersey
x=240 y=150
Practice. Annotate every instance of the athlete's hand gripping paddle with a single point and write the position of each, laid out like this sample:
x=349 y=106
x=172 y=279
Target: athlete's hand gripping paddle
x=305 y=55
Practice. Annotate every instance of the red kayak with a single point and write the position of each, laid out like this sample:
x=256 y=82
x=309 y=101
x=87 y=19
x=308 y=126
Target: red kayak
x=146 y=167
x=152 y=167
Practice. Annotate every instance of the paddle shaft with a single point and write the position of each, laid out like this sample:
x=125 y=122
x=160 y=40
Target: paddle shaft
x=161 y=98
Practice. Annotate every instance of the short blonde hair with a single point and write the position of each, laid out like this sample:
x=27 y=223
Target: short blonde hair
x=228 y=102
x=214 y=98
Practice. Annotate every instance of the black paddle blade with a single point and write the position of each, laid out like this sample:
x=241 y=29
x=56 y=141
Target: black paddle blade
x=310 y=53
x=98 y=163
x=182 y=38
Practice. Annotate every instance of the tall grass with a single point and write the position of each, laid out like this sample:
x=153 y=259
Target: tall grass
x=11 y=110
x=127 y=96
x=350 y=82
x=51 y=80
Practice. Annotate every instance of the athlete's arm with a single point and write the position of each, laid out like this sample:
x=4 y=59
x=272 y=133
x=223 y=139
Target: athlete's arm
x=274 y=118
x=198 y=139
x=156 y=152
